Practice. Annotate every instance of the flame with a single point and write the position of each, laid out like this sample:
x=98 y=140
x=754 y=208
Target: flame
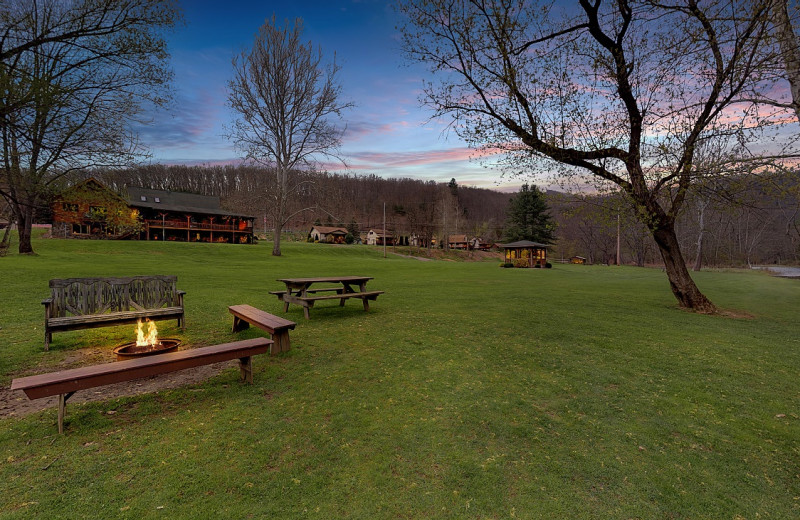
x=151 y=338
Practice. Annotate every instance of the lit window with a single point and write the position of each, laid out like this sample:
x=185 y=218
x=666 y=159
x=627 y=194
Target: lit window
x=144 y=199
x=157 y=199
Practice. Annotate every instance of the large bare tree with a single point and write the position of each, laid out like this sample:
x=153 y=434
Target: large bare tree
x=74 y=74
x=286 y=100
x=625 y=91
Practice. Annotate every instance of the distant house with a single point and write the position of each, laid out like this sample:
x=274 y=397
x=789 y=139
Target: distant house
x=479 y=244
x=188 y=217
x=458 y=242
x=577 y=260
x=526 y=253
x=378 y=238
x=334 y=235
x=419 y=240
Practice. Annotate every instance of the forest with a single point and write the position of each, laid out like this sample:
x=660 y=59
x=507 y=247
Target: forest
x=742 y=220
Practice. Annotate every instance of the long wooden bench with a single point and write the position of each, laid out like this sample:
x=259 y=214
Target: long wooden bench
x=308 y=301
x=277 y=327
x=84 y=303
x=66 y=382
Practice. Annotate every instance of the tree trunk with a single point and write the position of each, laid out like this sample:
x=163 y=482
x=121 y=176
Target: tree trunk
x=681 y=283
x=789 y=49
x=4 y=243
x=24 y=214
x=276 y=239
x=698 y=262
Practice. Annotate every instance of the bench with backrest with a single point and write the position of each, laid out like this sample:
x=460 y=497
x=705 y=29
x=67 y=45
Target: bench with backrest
x=83 y=303
x=277 y=327
x=66 y=382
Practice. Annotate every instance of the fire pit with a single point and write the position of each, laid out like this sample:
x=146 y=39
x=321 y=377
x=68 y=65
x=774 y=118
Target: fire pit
x=130 y=350
x=146 y=344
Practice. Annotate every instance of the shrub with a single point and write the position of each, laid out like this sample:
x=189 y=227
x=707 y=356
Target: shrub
x=548 y=265
x=507 y=264
x=521 y=262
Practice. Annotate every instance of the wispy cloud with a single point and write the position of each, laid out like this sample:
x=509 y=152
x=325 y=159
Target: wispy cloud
x=190 y=123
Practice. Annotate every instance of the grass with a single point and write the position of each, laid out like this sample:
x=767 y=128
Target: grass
x=467 y=391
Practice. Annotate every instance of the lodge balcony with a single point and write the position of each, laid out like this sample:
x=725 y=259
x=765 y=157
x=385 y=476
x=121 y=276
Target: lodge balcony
x=240 y=232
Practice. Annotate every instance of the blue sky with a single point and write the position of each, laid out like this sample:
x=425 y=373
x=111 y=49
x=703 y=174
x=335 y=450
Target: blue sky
x=388 y=134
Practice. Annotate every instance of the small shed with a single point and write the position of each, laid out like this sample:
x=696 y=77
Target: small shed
x=577 y=260
x=525 y=253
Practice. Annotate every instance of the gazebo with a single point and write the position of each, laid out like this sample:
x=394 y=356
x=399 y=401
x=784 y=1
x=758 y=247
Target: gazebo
x=533 y=254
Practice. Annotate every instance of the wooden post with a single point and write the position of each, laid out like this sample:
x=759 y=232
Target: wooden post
x=282 y=344
x=246 y=368
x=62 y=405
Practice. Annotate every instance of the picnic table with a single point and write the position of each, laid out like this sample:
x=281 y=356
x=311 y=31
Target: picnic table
x=298 y=291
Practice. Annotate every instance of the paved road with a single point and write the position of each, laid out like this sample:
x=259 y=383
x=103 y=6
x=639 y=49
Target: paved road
x=785 y=272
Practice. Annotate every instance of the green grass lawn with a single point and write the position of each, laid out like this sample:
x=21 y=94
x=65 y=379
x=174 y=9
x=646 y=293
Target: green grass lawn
x=467 y=391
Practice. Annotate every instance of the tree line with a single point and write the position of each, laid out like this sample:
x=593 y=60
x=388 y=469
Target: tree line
x=745 y=220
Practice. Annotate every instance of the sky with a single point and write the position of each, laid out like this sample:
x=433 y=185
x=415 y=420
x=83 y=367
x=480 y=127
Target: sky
x=388 y=133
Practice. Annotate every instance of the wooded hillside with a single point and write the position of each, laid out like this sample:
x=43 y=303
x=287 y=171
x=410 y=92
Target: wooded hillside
x=740 y=223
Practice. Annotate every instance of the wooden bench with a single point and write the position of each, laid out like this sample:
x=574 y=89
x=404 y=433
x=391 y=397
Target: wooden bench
x=67 y=382
x=342 y=296
x=83 y=303
x=277 y=327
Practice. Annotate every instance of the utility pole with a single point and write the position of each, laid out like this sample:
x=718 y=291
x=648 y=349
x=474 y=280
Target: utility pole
x=384 y=231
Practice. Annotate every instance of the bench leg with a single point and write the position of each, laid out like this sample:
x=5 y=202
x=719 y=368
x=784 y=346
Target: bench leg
x=285 y=306
x=239 y=324
x=246 y=368
x=62 y=410
x=48 y=337
x=366 y=303
x=281 y=344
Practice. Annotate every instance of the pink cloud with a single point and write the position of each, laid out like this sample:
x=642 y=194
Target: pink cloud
x=371 y=160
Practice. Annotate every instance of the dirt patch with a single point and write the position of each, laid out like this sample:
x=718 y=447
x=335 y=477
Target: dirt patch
x=17 y=404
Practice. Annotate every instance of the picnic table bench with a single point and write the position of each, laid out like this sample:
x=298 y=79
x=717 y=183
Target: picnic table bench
x=66 y=382
x=277 y=327
x=84 y=303
x=298 y=291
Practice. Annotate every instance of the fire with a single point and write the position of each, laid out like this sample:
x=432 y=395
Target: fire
x=151 y=338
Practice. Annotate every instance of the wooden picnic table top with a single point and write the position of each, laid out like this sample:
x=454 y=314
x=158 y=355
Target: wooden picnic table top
x=326 y=279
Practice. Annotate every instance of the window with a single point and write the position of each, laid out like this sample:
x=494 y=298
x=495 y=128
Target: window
x=157 y=199
x=66 y=206
x=143 y=198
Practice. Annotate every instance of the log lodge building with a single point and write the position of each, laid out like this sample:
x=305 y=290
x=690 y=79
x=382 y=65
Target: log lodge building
x=86 y=210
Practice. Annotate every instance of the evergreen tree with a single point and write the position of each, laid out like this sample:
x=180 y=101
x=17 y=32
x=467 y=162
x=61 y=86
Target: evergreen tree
x=528 y=217
x=352 y=227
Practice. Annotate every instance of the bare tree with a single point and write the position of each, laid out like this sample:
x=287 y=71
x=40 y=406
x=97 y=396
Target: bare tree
x=286 y=100
x=622 y=91
x=73 y=75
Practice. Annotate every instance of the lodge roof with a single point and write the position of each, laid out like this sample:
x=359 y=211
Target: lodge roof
x=522 y=244
x=178 y=202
